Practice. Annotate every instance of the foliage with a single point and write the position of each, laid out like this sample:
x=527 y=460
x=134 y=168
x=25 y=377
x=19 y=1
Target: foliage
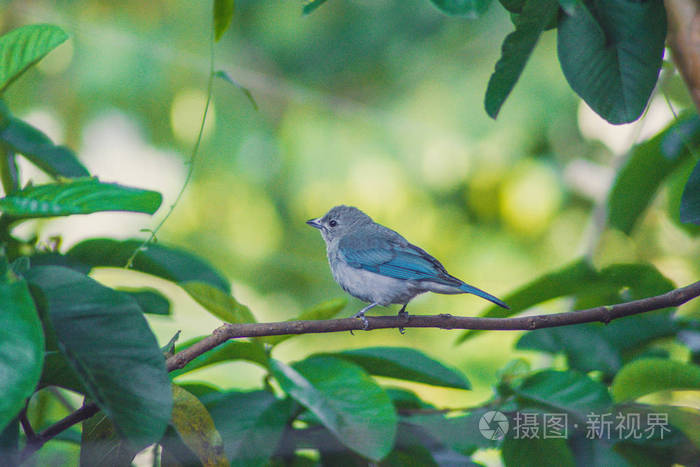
x=65 y=331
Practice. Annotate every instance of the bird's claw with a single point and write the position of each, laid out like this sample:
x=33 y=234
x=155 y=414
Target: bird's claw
x=403 y=316
x=363 y=318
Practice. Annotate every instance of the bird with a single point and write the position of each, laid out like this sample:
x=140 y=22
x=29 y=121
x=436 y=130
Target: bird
x=379 y=266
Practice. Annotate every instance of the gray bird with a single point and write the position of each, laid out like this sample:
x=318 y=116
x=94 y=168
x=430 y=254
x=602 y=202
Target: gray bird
x=379 y=266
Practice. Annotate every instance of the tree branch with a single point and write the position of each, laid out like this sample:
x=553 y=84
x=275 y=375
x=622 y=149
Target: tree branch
x=603 y=314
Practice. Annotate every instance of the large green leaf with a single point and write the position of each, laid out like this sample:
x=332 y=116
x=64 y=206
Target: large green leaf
x=537 y=452
x=229 y=351
x=690 y=201
x=649 y=375
x=81 y=196
x=23 y=47
x=404 y=363
x=515 y=51
x=162 y=261
x=460 y=433
x=465 y=8
x=611 y=52
x=57 y=161
x=223 y=14
x=194 y=425
x=324 y=310
x=101 y=445
x=647 y=166
x=21 y=344
x=218 y=303
x=108 y=343
x=564 y=391
x=149 y=300
x=251 y=425
x=345 y=399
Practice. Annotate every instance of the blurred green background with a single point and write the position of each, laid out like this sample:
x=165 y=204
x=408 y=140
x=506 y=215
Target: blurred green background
x=377 y=104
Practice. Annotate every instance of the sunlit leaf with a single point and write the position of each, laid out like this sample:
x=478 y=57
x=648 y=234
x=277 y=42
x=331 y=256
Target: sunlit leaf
x=466 y=8
x=646 y=376
x=345 y=399
x=23 y=47
x=516 y=50
x=404 y=363
x=218 y=303
x=170 y=263
x=227 y=77
x=611 y=54
x=229 y=351
x=223 y=15
x=108 y=343
x=82 y=196
x=21 y=344
x=194 y=425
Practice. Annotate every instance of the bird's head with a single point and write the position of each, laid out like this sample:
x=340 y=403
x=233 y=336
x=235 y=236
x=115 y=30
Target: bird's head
x=339 y=221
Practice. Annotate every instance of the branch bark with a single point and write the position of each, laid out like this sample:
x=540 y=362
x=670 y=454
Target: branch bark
x=603 y=314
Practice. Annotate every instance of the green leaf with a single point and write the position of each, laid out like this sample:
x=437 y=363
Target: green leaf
x=107 y=341
x=23 y=47
x=169 y=263
x=566 y=281
x=101 y=445
x=311 y=6
x=690 y=201
x=57 y=161
x=459 y=433
x=21 y=344
x=564 y=391
x=569 y=6
x=149 y=300
x=324 y=310
x=537 y=452
x=404 y=363
x=516 y=50
x=58 y=372
x=223 y=15
x=81 y=196
x=611 y=55
x=647 y=166
x=230 y=351
x=251 y=425
x=218 y=303
x=675 y=187
x=686 y=419
x=227 y=77
x=194 y=425
x=646 y=376
x=345 y=399
x=465 y=8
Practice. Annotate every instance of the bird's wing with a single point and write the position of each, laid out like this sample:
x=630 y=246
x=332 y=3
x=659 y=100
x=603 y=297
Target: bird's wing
x=391 y=258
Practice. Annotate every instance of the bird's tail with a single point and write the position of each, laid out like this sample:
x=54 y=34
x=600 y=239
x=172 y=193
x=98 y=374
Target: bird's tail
x=480 y=293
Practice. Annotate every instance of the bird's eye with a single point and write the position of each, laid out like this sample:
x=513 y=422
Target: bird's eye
x=333 y=223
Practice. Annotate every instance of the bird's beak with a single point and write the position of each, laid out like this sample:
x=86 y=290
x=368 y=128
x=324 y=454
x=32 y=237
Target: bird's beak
x=315 y=223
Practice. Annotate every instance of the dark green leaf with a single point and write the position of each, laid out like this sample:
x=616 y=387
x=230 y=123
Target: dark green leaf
x=465 y=8
x=404 y=363
x=57 y=161
x=324 y=310
x=166 y=262
x=218 y=303
x=639 y=179
x=58 y=372
x=611 y=54
x=9 y=442
x=227 y=77
x=312 y=5
x=516 y=50
x=101 y=445
x=21 y=344
x=459 y=433
x=223 y=14
x=23 y=47
x=194 y=425
x=149 y=300
x=107 y=341
x=569 y=6
x=251 y=425
x=230 y=351
x=81 y=196
x=345 y=399
x=513 y=6
x=564 y=391
x=566 y=281
x=645 y=376
x=690 y=201
x=537 y=452
x=675 y=187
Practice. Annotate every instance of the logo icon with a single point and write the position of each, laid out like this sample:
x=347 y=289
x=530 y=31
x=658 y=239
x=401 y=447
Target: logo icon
x=493 y=425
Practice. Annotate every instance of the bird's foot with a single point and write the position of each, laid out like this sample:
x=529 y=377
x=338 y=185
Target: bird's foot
x=361 y=314
x=403 y=316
